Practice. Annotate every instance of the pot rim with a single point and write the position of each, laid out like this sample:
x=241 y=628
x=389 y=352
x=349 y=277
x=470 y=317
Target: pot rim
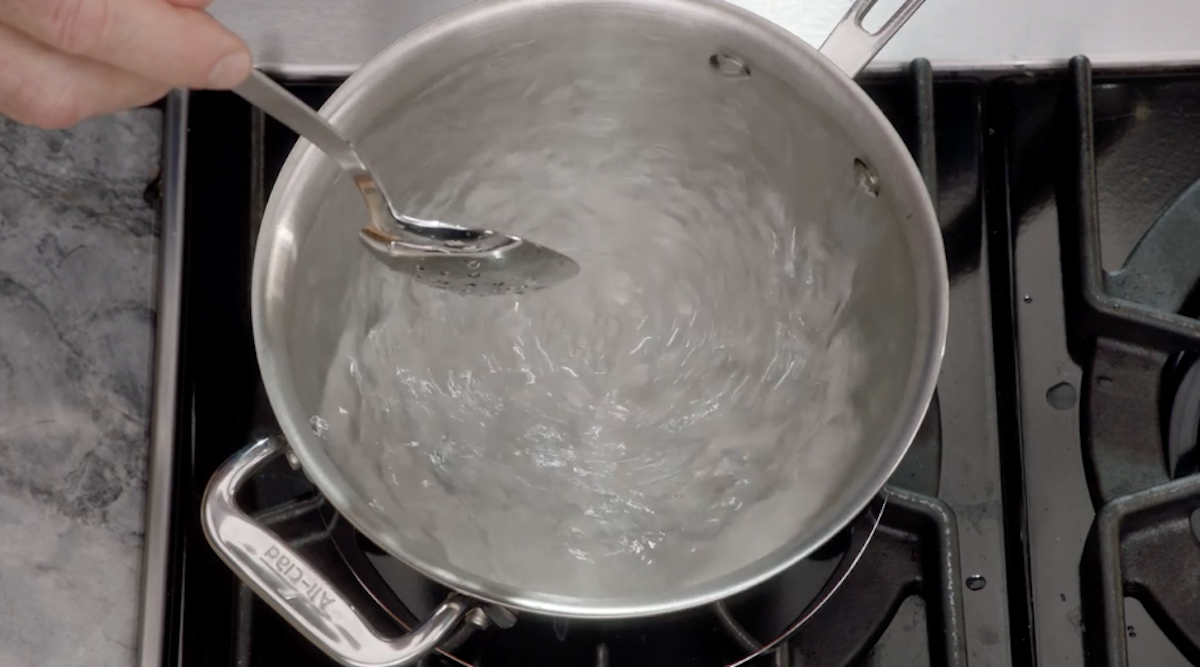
x=272 y=255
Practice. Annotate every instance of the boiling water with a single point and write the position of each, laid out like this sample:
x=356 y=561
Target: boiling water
x=674 y=410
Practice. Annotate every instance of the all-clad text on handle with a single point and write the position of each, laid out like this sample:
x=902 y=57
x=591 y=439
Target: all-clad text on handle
x=295 y=589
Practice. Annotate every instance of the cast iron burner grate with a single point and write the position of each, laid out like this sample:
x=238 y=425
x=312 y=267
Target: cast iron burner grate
x=1143 y=399
x=943 y=529
x=1104 y=200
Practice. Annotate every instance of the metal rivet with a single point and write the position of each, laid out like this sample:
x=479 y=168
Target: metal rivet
x=478 y=618
x=293 y=460
x=730 y=66
x=976 y=582
x=500 y=617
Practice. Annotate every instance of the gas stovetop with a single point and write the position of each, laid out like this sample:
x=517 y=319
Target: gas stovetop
x=1043 y=516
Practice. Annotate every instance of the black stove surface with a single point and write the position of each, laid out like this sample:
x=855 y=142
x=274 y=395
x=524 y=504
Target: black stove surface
x=1058 y=456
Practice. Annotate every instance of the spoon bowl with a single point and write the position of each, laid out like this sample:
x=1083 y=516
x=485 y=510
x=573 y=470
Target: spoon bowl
x=473 y=263
x=463 y=260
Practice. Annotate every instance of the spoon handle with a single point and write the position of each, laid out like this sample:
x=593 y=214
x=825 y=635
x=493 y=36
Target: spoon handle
x=288 y=109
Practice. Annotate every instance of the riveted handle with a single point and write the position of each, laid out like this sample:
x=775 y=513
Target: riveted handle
x=295 y=589
x=851 y=47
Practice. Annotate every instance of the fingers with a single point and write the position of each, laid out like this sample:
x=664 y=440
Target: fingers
x=53 y=90
x=174 y=43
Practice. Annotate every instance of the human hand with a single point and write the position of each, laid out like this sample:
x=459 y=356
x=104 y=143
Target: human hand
x=62 y=61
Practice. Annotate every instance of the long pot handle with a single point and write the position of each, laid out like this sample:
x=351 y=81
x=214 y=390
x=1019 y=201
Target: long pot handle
x=851 y=47
x=295 y=589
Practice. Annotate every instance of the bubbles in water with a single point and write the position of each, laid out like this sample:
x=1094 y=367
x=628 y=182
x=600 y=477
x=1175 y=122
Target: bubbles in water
x=868 y=181
x=678 y=409
x=319 y=426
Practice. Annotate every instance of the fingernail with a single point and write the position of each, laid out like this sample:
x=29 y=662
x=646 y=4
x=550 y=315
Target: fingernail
x=229 y=71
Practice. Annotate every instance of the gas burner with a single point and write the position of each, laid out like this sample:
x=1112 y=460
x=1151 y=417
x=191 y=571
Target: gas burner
x=904 y=602
x=1142 y=399
x=831 y=609
x=1182 y=382
x=1146 y=545
x=696 y=637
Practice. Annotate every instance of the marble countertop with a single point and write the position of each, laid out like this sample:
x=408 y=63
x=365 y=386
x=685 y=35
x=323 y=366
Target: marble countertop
x=78 y=244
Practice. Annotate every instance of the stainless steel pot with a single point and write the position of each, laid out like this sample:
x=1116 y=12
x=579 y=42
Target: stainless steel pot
x=300 y=275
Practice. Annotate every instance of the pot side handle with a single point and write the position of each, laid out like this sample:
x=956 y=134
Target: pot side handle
x=294 y=588
x=851 y=47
